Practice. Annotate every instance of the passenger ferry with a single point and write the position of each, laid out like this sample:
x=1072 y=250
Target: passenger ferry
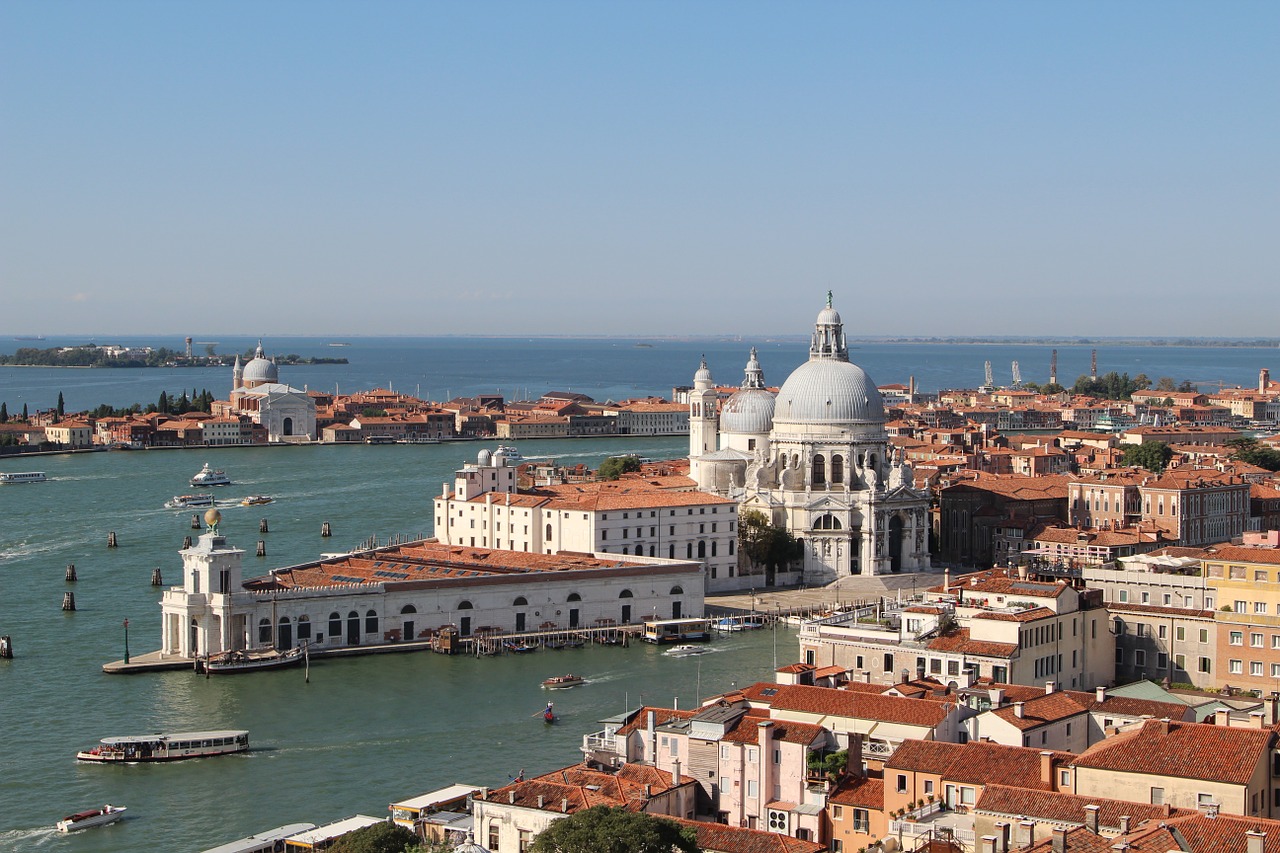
x=22 y=477
x=175 y=747
x=677 y=630
x=190 y=501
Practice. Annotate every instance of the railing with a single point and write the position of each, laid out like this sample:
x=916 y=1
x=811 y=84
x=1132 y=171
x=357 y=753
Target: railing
x=599 y=741
x=911 y=830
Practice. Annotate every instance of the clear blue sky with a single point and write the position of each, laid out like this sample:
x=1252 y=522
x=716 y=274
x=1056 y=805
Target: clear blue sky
x=350 y=168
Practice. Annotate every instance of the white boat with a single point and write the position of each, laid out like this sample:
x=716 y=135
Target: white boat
x=91 y=817
x=740 y=623
x=256 y=500
x=22 y=477
x=190 y=501
x=208 y=476
x=684 y=651
x=132 y=749
x=230 y=663
x=510 y=453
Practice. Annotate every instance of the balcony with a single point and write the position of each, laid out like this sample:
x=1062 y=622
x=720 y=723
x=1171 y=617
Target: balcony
x=931 y=822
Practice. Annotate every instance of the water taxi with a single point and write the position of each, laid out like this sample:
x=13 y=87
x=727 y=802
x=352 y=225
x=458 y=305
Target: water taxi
x=684 y=651
x=256 y=500
x=22 y=477
x=510 y=453
x=207 y=476
x=562 y=682
x=190 y=501
x=231 y=663
x=175 y=747
x=92 y=817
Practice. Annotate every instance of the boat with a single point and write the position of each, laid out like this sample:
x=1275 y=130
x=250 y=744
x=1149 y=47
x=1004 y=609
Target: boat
x=208 y=476
x=231 y=663
x=256 y=500
x=549 y=715
x=190 y=501
x=740 y=623
x=563 y=682
x=684 y=651
x=131 y=749
x=510 y=453
x=91 y=817
x=519 y=648
x=22 y=477
x=662 y=631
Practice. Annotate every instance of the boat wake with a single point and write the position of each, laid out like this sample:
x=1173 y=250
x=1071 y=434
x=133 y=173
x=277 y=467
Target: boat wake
x=25 y=839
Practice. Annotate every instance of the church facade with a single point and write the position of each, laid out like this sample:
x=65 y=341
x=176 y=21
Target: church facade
x=286 y=413
x=815 y=459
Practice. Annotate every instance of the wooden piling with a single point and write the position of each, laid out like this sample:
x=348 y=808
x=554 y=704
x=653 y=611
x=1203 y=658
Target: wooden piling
x=71 y=573
x=68 y=601
x=155 y=577
x=326 y=530
x=186 y=542
x=6 y=647
x=195 y=521
x=262 y=548
x=112 y=542
x=262 y=526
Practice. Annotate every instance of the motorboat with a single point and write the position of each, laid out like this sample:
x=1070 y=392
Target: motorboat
x=519 y=648
x=91 y=817
x=740 y=623
x=684 y=651
x=562 y=682
x=208 y=476
x=231 y=663
x=22 y=477
x=191 y=501
x=510 y=453
x=131 y=749
x=256 y=500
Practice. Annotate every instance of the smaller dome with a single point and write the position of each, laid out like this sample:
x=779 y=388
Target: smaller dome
x=484 y=457
x=749 y=410
x=829 y=317
x=704 y=372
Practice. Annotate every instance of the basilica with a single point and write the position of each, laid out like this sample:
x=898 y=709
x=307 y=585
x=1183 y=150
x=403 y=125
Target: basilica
x=286 y=413
x=815 y=459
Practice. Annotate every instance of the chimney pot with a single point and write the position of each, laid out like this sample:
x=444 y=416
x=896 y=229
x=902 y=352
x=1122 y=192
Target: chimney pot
x=1222 y=717
x=1017 y=709
x=1101 y=693
x=1124 y=824
x=1256 y=719
x=1059 y=839
x=564 y=805
x=1091 y=818
x=1046 y=768
x=1256 y=841
x=1049 y=687
x=511 y=797
x=541 y=801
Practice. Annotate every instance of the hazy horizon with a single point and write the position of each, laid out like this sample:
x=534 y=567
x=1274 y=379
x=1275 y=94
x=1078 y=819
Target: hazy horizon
x=336 y=169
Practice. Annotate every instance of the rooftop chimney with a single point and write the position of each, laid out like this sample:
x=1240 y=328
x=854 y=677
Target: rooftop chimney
x=989 y=844
x=1257 y=719
x=675 y=774
x=511 y=796
x=1222 y=717
x=853 y=760
x=1101 y=692
x=1017 y=709
x=1255 y=840
x=997 y=696
x=1027 y=829
x=1059 y=839
x=564 y=805
x=1091 y=818
x=1003 y=829
x=542 y=801
x=1046 y=768
x=1124 y=824
x=1049 y=687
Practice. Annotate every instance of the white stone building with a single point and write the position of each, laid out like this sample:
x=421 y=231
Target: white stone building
x=256 y=391
x=816 y=460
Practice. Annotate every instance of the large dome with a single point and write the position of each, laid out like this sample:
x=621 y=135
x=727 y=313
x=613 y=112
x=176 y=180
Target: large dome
x=749 y=410
x=828 y=391
x=260 y=370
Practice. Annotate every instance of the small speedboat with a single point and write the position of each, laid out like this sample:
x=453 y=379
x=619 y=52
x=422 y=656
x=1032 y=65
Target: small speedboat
x=685 y=651
x=561 y=682
x=207 y=476
x=256 y=500
x=92 y=817
x=190 y=501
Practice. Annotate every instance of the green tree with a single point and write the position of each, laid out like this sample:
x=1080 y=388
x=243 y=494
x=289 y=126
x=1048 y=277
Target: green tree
x=1166 y=383
x=763 y=544
x=1151 y=455
x=605 y=829
x=4 y=413
x=615 y=466
x=162 y=405
x=25 y=416
x=1250 y=451
x=384 y=837
x=62 y=406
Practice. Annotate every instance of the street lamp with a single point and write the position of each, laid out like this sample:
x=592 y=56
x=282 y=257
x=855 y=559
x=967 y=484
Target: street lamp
x=126 y=641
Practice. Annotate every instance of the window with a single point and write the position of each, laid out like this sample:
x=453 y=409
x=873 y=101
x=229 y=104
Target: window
x=1180 y=633
x=1235 y=667
x=753 y=789
x=1124 y=596
x=1142 y=629
x=1180 y=662
x=1162 y=631
x=901 y=787
x=1157 y=796
x=861 y=821
x=1139 y=658
x=1255 y=640
x=1255 y=667
x=1205 y=665
x=1064 y=778
x=1241 y=607
x=1204 y=800
x=1260 y=608
x=1237 y=638
x=1204 y=632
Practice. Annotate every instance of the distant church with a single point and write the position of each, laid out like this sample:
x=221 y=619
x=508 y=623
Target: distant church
x=816 y=460
x=286 y=413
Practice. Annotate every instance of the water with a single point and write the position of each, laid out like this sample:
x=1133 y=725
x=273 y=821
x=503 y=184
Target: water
x=440 y=368
x=364 y=732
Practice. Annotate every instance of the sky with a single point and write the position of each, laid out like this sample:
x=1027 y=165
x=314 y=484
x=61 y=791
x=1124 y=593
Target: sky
x=639 y=168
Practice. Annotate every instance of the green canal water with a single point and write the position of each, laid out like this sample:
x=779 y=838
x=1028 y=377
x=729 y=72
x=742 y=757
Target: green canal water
x=364 y=731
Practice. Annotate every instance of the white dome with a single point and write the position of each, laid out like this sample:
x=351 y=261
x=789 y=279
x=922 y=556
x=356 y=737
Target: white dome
x=829 y=317
x=829 y=391
x=260 y=370
x=749 y=410
x=484 y=457
x=703 y=374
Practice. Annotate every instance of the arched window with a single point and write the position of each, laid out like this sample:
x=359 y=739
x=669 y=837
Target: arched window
x=304 y=627
x=688 y=550
x=675 y=590
x=264 y=630
x=671 y=551
x=371 y=622
x=626 y=593
x=548 y=532
x=465 y=605
x=827 y=522
x=353 y=615
x=408 y=608
x=335 y=625
x=819 y=470
x=520 y=601
x=702 y=549
x=837 y=468
x=573 y=596
x=713 y=547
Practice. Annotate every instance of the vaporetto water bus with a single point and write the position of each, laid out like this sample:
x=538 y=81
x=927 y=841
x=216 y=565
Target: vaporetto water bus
x=159 y=747
x=22 y=477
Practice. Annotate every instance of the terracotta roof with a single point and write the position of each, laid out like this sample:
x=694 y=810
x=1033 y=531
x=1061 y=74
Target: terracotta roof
x=1065 y=808
x=583 y=788
x=1240 y=554
x=859 y=791
x=977 y=762
x=721 y=838
x=832 y=702
x=959 y=641
x=1225 y=754
x=1046 y=709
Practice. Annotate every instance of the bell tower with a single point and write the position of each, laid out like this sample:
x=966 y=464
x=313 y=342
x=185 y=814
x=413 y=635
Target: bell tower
x=703 y=418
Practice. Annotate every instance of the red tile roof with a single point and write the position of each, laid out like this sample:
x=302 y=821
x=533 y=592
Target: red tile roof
x=1005 y=800
x=1225 y=754
x=833 y=702
x=976 y=762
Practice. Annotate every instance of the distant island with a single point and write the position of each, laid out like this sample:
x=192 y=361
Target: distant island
x=94 y=355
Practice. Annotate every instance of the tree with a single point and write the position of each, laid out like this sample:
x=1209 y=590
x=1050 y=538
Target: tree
x=4 y=413
x=25 y=416
x=605 y=829
x=1151 y=455
x=62 y=407
x=162 y=405
x=1166 y=383
x=763 y=544
x=615 y=466
x=1248 y=450
x=384 y=837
